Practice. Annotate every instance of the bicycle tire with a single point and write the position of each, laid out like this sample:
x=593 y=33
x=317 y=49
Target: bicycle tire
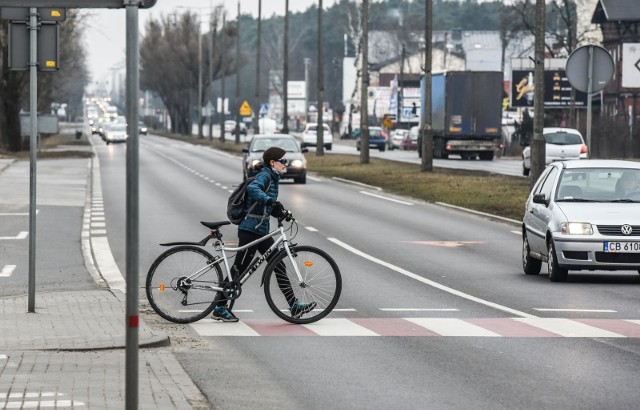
x=184 y=304
x=322 y=283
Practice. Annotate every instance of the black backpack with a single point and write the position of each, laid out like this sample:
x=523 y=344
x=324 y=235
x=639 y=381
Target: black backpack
x=237 y=203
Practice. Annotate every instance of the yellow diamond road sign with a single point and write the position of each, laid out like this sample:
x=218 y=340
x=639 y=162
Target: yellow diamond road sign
x=245 y=109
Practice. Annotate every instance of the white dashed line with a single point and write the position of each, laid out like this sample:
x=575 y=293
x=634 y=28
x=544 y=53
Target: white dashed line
x=21 y=235
x=386 y=198
x=576 y=310
x=311 y=229
x=418 y=310
x=7 y=271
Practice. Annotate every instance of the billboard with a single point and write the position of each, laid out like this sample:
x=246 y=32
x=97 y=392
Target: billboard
x=557 y=89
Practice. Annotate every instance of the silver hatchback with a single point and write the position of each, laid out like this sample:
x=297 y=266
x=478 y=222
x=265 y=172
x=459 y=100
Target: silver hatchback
x=583 y=215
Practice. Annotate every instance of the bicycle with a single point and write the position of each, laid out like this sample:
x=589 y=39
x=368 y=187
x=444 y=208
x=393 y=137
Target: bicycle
x=186 y=282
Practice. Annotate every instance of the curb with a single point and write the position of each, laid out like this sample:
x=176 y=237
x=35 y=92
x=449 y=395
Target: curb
x=6 y=164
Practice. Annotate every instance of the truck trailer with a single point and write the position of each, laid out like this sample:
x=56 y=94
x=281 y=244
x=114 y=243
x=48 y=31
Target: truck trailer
x=466 y=116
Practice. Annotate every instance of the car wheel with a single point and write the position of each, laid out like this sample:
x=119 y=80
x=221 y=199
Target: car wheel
x=525 y=171
x=381 y=148
x=328 y=147
x=358 y=147
x=556 y=273
x=531 y=266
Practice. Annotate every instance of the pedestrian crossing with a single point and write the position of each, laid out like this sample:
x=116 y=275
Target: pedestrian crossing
x=444 y=327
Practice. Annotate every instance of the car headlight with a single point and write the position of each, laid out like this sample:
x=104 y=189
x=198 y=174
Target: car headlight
x=296 y=163
x=254 y=162
x=576 y=228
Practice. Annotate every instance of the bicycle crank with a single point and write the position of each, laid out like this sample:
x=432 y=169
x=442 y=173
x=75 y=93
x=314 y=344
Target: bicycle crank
x=232 y=290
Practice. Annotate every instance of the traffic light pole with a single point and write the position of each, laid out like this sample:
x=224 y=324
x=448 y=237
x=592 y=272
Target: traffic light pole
x=33 y=142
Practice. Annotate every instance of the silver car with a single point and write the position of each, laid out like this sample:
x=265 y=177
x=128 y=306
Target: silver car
x=561 y=144
x=583 y=215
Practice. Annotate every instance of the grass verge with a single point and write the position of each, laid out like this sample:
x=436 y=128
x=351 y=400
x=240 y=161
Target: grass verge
x=57 y=146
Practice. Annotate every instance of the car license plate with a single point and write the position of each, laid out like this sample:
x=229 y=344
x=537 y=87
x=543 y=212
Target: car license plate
x=628 y=247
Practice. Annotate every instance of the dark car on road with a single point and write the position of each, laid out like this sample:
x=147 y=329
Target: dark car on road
x=377 y=138
x=252 y=156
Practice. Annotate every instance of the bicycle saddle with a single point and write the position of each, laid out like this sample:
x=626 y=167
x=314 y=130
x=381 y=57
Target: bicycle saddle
x=215 y=225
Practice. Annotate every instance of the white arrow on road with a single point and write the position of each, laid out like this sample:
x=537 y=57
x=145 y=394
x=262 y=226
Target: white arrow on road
x=7 y=271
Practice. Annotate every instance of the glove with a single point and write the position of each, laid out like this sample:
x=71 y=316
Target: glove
x=278 y=210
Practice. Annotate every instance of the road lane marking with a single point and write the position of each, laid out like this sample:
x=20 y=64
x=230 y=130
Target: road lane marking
x=418 y=310
x=339 y=327
x=452 y=327
x=7 y=271
x=386 y=198
x=311 y=229
x=17 y=213
x=445 y=244
x=576 y=310
x=517 y=232
x=21 y=235
x=567 y=327
x=429 y=282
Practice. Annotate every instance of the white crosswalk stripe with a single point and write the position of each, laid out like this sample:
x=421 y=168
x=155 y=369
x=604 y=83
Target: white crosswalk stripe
x=7 y=271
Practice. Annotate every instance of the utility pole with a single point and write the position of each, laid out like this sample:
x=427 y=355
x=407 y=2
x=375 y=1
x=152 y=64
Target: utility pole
x=364 y=89
x=223 y=67
x=307 y=67
x=537 y=144
x=238 y=77
x=285 y=72
x=426 y=131
x=200 y=131
x=320 y=132
x=256 y=108
x=400 y=97
x=210 y=116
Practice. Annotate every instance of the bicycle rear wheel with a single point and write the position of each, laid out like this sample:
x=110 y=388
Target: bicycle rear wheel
x=172 y=289
x=321 y=284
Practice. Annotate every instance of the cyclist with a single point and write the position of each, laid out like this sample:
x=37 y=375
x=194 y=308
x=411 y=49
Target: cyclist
x=264 y=191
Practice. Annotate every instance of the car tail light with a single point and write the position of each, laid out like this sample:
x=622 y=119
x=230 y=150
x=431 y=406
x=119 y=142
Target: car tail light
x=583 y=149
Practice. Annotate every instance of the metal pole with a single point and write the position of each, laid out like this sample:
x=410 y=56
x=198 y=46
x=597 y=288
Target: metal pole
x=210 y=114
x=589 y=95
x=285 y=72
x=307 y=66
x=320 y=133
x=426 y=129
x=200 y=132
x=256 y=108
x=223 y=45
x=399 y=98
x=537 y=144
x=33 y=142
x=132 y=231
x=364 y=112
x=238 y=79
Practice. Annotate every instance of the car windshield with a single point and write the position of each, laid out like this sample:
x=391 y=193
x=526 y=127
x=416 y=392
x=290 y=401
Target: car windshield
x=599 y=185
x=117 y=128
x=261 y=144
x=562 y=138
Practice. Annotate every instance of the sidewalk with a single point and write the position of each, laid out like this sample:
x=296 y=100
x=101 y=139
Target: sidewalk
x=70 y=352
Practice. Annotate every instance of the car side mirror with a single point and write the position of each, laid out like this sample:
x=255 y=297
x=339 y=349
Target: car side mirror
x=245 y=150
x=539 y=199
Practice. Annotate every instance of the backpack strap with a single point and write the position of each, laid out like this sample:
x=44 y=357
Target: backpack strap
x=264 y=215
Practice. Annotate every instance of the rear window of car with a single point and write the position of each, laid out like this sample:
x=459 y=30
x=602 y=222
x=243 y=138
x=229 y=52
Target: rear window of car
x=563 y=138
x=375 y=133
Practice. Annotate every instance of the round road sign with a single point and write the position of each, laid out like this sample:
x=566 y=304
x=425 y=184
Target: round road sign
x=577 y=68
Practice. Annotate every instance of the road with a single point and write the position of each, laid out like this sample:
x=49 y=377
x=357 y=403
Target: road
x=461 y=325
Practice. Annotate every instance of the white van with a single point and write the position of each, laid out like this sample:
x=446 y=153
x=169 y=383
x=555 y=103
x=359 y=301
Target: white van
x=267 y=126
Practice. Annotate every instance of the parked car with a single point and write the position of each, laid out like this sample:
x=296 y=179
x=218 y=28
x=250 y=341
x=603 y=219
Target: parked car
x=377 y=138
x=310 y=136
x=115 y=132
x=396 y=138
x=583 y=215
x=410 y=141
x=560 y=144
x=252 y=156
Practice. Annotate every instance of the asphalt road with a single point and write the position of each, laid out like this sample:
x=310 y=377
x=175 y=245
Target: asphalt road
x=503 y=341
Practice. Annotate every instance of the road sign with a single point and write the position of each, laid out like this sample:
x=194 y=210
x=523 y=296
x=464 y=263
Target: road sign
x=631 y=65
x=387 y=122
x=76 y=4
x=47 y=14
x=245 y=109
x=47 y=46
x=264 y=109
x=593 y=63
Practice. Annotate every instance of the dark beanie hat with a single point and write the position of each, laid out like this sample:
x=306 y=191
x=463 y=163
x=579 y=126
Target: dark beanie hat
x=273 y=153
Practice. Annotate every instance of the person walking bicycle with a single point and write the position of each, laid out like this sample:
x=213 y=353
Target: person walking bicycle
x=263 y=203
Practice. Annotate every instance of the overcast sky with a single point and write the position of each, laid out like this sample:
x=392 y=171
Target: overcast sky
x=105 y=36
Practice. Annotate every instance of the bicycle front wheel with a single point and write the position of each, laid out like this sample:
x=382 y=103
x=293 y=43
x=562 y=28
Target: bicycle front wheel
x=307 y=300
x=179 y=284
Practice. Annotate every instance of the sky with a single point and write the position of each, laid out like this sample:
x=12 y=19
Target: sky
x=105 y=36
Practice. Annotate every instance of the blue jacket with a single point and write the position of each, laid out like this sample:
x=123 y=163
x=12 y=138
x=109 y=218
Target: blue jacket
x=258 y=219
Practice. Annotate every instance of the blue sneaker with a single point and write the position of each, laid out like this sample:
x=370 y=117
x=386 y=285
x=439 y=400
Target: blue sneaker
x=298 y=309
x=222 y=314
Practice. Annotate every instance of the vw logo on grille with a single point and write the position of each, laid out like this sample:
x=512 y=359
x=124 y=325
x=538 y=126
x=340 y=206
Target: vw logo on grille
x=626 y=229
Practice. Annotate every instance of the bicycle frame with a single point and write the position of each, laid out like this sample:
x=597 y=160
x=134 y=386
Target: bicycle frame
x=255 y=263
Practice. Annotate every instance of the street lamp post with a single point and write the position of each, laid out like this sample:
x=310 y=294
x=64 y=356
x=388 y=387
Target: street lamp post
x=256 y=108
x=285 y=72
x=320 y=132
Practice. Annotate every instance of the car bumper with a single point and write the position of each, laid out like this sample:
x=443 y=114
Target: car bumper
x=589 y=254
